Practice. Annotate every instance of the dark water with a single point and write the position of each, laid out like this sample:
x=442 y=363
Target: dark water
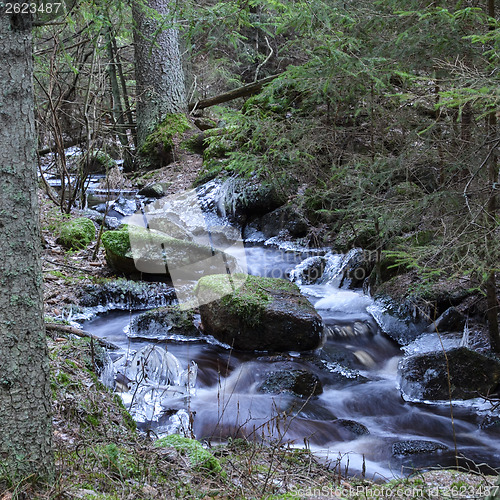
x=227 y=402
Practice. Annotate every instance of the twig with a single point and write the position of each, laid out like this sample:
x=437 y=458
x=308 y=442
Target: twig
x=80 y=333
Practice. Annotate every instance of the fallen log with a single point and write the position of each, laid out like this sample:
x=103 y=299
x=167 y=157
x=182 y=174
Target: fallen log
x=246 y=90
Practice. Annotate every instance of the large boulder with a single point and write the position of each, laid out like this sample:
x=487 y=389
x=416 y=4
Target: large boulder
x=259 y=314
x=425 y=376
x=135 y=249
x=241 y=198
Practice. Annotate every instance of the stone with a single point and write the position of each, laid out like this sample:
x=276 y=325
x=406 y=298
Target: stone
x=261 y=314
x=424 y=377
x=299 y=383
x=156 y=190
x=353 y=426
x=162 y=323
x=126 y=295
x=286 y=218
x=242 y=198
x=451 y=320
x=416 y=447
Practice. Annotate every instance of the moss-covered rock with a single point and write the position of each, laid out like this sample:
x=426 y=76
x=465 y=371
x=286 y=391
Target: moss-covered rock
x=199 y=457
x=263 y=314
x=162 y=323
x=135 y=249
x=76 y=234
x=158 y=148
x=155 y=190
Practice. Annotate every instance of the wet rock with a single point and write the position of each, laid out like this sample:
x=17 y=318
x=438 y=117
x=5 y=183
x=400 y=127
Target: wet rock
x=287 y=218
x=425 y=376
x=414 y=447
x=309 y=271
x=111 y=223
x=156 y=190
x=451 y=320
x=124 y=206
x=490 y=423
x=341 y=376
x=163 y=323
x=76 y=234
x=396 y=321
x=127 y=295
x=353 y=426
x=258 y=314
x=299 y=383
x=241 y=198
x=134 y=249
x=356 y=267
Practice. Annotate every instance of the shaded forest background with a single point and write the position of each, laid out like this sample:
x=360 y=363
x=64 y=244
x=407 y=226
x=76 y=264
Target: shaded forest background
x=377 y=122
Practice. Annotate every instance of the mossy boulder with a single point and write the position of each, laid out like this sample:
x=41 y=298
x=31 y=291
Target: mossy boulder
x=155 y=190
x=76 y=234
x=259 y=314
x=162 y=323
x=199 y=457
x=135 y=249
x=158 y=148
x=425 y=376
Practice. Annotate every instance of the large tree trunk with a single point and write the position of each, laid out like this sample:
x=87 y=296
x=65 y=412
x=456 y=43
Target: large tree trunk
x=158 y=66
x=25 y=399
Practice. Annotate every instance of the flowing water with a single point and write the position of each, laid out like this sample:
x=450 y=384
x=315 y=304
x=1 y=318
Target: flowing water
x=360 y=413
x=357 y=418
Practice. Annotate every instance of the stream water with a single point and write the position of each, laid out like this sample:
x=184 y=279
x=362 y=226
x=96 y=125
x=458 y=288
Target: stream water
x=360 y=414
x=227 y=402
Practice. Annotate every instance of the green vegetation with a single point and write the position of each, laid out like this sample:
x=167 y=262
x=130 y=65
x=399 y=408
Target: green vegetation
x=198 y=456
x=158 y=145
x=76 y=234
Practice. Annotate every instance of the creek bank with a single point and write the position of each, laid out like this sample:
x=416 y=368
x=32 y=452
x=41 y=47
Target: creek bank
x=262 y=314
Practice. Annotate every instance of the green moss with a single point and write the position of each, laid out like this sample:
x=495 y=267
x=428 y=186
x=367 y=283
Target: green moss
x=117 y=242
x=76 y=234
x=163 y=137
x=198 y=456
x=249 y=300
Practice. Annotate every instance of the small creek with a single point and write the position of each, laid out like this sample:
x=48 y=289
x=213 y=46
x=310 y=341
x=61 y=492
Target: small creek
x=226 y=402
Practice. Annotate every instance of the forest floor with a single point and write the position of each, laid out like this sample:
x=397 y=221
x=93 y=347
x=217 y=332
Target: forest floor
x=100 y=454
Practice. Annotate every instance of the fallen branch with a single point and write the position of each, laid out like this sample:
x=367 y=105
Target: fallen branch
x=55 y=327
x=246 y=90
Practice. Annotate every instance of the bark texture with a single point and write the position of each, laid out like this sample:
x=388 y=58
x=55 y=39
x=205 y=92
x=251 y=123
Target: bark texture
x=158 y=66
x=25 y=399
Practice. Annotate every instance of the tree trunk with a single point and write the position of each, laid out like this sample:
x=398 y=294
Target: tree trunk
x=25 y=398
x=158 y=66
x=493 y=171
